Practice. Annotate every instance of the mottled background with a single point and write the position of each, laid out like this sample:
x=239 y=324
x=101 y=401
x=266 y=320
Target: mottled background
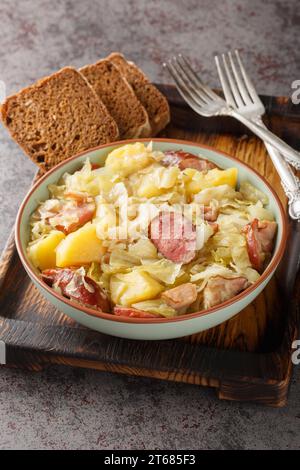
x=66 y=408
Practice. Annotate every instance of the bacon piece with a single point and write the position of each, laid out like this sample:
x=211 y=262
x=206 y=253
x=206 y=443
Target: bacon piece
x=133 y=313
x=174 y=236
x=210 y=213
x=186 y=160
x=95 y=166
x=77 y=196
x=219 y=289
x=259 y=236
x=74 y=285
x=80 y=212
x=180 y=296
x=265 y=235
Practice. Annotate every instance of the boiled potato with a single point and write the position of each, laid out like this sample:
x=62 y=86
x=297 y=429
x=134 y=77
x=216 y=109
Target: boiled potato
x=80 y=247
x=128 y=159
x=196 y=181
x=42 y=252
x=157 y=182
x=135 y=286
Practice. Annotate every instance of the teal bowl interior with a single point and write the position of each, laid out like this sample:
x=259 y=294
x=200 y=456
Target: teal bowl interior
x=40 y=193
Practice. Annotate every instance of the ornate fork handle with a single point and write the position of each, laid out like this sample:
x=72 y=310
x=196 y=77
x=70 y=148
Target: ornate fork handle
x=294 y=201
x=293 y=162
x=289 y=181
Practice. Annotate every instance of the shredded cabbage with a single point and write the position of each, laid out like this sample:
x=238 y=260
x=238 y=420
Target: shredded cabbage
x=82 y=180
x=94 y=272
x=164 y=270
x=253 y=194
x=143 y=248
x=218 y=193
x=156 y=306
x=257 y=211
x=123 y=259
x=212 y=271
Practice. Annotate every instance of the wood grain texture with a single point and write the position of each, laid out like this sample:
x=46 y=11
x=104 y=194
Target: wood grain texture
x=245 y=358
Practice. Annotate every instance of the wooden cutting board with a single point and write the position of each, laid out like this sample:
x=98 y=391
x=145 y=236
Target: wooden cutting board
x=245 y=358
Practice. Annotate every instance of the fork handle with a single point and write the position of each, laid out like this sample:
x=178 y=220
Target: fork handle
x=268 y=137
x=289 y=181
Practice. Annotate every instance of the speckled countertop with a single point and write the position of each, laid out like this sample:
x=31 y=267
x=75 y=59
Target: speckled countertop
x=76 y=409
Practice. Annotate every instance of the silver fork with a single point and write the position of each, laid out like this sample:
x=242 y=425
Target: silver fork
x=240 y=94
x=207 y=103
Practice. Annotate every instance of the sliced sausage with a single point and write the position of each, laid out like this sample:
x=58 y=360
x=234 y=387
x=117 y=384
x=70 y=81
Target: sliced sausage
x=174 y=236
x=219 y=289
x=186 y=160
x=133 y=313
x=76 y=286
x=260 y=241
x=180 y=296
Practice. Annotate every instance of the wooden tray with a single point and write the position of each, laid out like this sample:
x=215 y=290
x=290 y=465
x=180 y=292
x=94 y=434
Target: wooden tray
x=246 y=358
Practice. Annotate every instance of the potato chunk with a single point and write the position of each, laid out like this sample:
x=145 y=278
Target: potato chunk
x=135 y=286
x=42 y=252
x=128 y=159
x=80 y=247
x=196 y=180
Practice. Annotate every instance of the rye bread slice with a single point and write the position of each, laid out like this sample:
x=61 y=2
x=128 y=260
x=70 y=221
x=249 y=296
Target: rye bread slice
x=57 y=117
x=119 y=98
x=151 y=98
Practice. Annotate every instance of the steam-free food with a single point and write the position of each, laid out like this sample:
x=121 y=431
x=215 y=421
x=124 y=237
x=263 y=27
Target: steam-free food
x=151 y=234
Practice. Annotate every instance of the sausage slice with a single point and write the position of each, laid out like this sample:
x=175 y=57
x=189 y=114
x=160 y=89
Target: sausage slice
x=174 y=236
x=186 y=160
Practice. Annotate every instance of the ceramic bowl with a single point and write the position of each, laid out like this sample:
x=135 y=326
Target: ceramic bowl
x=149 y=328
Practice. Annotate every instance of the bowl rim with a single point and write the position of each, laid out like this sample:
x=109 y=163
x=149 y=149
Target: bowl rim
x=122 y=319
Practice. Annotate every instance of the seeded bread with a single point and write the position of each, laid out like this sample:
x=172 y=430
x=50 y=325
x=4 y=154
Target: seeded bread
x=58 y=117
x=119 y=98
x=154 y=102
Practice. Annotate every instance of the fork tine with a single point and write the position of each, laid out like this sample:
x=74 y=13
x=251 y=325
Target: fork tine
x=232 y=83
x=194 y=93
x=195 y=78
x=224 y=83
x=182 y=88
x=189 y=82
x=250 y=88
x=239 y=80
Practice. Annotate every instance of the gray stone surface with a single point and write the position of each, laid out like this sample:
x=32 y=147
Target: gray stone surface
x=65 y=408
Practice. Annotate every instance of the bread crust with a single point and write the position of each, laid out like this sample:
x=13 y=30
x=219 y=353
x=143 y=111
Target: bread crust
x=57 y=117
x=118 y=96
x=151 y=98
